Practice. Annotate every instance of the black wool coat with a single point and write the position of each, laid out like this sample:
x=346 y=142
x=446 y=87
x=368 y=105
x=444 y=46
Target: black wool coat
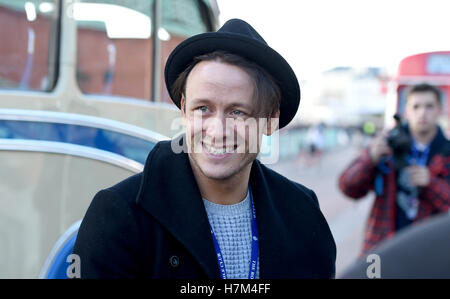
x=154 y=225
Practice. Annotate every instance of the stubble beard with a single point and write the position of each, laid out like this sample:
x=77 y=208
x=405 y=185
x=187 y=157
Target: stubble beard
x=233 y=172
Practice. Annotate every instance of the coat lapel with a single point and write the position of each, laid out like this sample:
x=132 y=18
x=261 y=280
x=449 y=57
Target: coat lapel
x=169 y=193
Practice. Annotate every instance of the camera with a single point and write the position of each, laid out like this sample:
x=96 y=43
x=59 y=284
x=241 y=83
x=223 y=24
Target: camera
x=399 y=141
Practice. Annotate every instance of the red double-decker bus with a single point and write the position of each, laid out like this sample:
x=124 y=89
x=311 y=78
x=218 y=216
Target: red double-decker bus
x=432 y=68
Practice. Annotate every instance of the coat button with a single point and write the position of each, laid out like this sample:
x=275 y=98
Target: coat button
x=174 y=261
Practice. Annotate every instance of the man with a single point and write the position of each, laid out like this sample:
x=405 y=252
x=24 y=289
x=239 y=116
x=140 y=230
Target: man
x=408 y=193
x=204 y=207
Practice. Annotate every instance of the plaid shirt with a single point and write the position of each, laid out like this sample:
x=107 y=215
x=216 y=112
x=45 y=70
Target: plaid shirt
x=358 y=179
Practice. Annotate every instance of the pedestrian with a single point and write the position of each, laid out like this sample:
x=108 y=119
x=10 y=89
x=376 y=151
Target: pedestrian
x=316 y=141
x=204 y=206
x=407 y=167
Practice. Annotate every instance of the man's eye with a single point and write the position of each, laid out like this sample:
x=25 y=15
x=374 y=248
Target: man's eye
x=237 y=113
x=202 y=109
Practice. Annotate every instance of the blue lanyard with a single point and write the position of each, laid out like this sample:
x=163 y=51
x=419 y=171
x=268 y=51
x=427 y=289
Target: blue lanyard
x=255 y=246
x=416 y=157
x=383 y=167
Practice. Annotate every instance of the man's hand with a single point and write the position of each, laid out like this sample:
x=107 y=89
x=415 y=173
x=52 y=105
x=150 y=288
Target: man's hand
x=418 y=175
x=379 y=147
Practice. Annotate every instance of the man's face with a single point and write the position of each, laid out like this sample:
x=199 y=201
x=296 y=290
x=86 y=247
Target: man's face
x=218 y=94
x=422 y=111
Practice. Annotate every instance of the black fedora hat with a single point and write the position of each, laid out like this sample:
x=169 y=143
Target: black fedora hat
x=238 y=37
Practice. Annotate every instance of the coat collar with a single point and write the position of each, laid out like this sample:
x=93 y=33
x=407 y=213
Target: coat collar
x=170 y=193
x=437 y=145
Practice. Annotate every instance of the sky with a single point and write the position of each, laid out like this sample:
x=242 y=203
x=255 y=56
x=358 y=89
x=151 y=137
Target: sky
x=316 y=35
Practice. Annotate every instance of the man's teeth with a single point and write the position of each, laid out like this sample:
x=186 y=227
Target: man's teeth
x=218 y=151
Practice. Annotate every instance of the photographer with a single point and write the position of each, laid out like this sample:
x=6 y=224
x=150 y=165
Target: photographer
x=407 y=167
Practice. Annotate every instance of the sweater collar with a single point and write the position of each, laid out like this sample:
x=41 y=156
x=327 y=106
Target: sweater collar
x=228 y=210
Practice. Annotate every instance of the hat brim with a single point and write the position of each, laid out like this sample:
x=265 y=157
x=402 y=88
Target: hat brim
x=248 y=48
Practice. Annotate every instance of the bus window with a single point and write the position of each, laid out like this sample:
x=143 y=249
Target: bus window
x=114 y=47
x=114 y=43
x=28 y=34
x=180 y=19
x=438 y=64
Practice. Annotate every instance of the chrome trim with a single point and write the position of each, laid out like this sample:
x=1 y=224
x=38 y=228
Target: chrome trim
x=81 y=120
x=129 y=100
x=213 y=13
x=156 y=46
x=70 y=149
x=53 y=51
x=62 y=241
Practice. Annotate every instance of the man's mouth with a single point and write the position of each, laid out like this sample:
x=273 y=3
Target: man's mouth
x=219 y=151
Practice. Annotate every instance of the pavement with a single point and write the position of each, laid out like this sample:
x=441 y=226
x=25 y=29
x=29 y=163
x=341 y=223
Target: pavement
x=346 y=217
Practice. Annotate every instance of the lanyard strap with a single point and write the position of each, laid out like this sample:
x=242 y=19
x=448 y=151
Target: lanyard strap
x=255 y=246
x=418 y=159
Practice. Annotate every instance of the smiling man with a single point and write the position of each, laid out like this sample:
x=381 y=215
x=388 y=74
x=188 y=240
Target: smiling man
x=204 y=206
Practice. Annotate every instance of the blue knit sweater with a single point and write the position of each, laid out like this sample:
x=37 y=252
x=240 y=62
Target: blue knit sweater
x=232 y=226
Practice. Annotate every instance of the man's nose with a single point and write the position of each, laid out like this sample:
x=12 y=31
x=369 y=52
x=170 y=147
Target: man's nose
x=216 y=129
x=422 y=111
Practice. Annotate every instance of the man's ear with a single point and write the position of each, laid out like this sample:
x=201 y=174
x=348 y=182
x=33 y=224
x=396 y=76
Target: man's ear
x=183 y=106
x=183 y=110
x=272 y=123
